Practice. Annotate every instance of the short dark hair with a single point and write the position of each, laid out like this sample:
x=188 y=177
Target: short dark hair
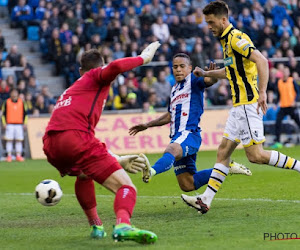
x=184 y=56
x=91 y=59
x=217 y=8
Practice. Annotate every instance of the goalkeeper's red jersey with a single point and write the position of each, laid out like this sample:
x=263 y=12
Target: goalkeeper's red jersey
x=81 y=105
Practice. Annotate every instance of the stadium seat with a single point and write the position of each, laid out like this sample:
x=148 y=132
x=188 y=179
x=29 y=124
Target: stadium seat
x=3 y=2
x=33 y=33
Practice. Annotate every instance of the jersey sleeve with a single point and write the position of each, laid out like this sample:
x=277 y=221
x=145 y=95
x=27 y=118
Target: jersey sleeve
x=242 y=44
x=108 y=73
x=199 y=81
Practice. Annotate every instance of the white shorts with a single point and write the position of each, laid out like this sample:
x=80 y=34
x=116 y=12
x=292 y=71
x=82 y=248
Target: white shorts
x=14 y=132
x=245 y=125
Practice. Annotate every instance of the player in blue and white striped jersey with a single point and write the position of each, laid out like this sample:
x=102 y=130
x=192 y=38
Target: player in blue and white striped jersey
x=184 y=113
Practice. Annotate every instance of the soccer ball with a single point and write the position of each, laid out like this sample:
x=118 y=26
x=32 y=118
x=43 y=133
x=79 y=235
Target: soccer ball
x=48 y=192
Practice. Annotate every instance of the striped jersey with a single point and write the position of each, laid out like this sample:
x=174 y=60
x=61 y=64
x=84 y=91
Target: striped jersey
x=240 y=71
x=186 y=104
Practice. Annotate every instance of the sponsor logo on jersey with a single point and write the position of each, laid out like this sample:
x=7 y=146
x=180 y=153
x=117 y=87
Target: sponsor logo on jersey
x=228 y=61
x=242 y=42
x=246 y=47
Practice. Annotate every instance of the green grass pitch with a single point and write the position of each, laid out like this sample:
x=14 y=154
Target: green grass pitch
x=244 y=210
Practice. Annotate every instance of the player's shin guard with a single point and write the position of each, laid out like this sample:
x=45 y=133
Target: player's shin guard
x=216 y=179
x=124 y=204
x=164 y=163
x=85 y=193
x=280 y=160
x=201 y=178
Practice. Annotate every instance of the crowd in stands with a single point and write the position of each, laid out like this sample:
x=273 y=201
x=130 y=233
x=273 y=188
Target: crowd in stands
x=123 y=28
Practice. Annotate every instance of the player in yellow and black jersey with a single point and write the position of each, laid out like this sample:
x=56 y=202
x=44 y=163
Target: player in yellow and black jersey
x=248 y=73
x=240 y=71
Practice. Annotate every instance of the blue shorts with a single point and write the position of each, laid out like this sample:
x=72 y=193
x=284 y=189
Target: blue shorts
x=186 y=164
x=190 y=144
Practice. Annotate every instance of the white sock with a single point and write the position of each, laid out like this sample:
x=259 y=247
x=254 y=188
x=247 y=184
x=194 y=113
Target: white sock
x=9 y=147
x=19 y=148
x=280 y=160
x=216 y=179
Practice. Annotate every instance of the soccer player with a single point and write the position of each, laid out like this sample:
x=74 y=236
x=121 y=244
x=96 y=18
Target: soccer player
x=14 y=120
x=184 y=113
x=244 y=65
x=71 y=147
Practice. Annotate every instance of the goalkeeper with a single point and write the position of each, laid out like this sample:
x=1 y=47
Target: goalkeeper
x=71 y=147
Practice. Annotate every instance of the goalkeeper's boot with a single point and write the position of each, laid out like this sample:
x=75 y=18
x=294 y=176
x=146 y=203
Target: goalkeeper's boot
x=97 y=232
x=237 y=168
x=197 y=202
x=147 y=169
x=124 y=232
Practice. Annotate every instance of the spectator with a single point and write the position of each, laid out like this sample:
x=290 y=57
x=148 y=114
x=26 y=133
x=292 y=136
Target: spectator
x=14 y=119
x=198 y=57
x=288 y=91
x=65 y=34
x=21 y=87
x=21 y=16
x=48 y=97
x=29 y=102
x=40 y=105
x=45 y=38
x=160 y=30
x=222 y=94
x=40 y=10
x=71 y=20
x=32 y=87
x=4 y=91
x=121 y=98
x=118 y=52
x=285 y=26
x=131 y=15
x=55 y=50
x=245 y=18
x=162 y=89
x=131 y=101
x=68 y=64
x=142 y=93
x=149 y=78
x=257 y=11
x=14 y=56
x=98 y=27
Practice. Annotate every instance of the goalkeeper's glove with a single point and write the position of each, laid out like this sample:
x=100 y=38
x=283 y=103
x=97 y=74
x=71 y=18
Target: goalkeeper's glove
x=148 y=53
x=131 y=163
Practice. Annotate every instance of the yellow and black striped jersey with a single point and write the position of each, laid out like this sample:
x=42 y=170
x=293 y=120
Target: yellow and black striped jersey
x=240 y=71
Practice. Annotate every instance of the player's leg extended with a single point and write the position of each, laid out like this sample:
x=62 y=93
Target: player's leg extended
x=85 y=194
x=188 y=177
x=172 y=152
x=120 y=183
x=256 y=154
x=221 y=168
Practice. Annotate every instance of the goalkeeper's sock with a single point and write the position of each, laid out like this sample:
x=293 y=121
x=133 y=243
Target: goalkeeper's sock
x=164 y=163
x=85 y=194
x=201 y=178
x=216 y=179
x=280 y=160
x=124 y=204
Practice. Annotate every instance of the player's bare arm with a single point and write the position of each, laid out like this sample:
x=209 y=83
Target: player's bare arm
x=217 y=73
x=160 y=121
x=263 y=76
x=209 y=81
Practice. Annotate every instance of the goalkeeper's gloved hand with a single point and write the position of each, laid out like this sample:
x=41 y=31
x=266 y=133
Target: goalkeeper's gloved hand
x=132 y=163
x=148 y=53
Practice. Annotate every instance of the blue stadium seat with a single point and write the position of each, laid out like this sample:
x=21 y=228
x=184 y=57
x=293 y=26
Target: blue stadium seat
x=33 y=33
x=3 y=2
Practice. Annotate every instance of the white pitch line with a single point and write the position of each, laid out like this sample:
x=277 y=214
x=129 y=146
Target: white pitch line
x=174 y=197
